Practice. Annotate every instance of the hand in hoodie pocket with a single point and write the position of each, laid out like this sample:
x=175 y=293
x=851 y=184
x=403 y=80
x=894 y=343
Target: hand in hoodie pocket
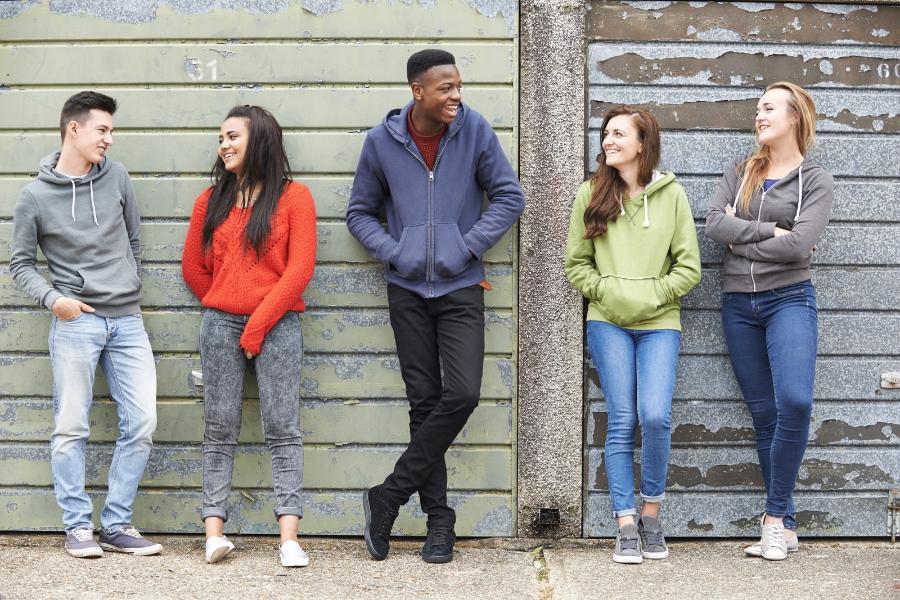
x=629 y=301
x=451 y=256
x=408 y=260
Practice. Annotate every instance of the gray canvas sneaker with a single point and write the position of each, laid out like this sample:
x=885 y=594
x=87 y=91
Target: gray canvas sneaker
x=129 y=541
x=628 y=546
x=80 y=544
x=653 y=543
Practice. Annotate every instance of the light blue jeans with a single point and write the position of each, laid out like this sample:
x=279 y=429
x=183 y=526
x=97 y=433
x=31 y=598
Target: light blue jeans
x=121 y=347
x=637 y=374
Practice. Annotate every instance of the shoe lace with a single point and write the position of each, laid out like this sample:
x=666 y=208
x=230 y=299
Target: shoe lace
x=131 y=532
x=83 y=535
x=629 y=543
x=653 y=537
x=440 y=537
x=773 y=536
x=387 y=522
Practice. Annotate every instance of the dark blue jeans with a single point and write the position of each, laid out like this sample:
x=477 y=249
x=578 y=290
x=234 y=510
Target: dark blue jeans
x=771 y=339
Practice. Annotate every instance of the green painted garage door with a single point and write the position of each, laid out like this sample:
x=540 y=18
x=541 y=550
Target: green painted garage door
x=328 y=71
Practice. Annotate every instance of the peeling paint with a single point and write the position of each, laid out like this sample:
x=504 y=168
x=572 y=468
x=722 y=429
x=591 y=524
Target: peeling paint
x=497 y=519
x=754 y=7
x=492 y=8
x=843 y=9
x=145 y=11
x=321 y=7
x=9 y=10
x=695 y=526
x=647 y=5
x=718 y=34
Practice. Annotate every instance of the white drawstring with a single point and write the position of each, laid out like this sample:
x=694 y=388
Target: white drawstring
x=799 y=192
x=646 y=211
x=93 y=208
x=72 y=181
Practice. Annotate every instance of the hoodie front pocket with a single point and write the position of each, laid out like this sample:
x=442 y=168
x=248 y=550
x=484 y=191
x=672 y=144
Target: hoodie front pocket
x=451 y=256
x=629 y=301
x=109 y=280
x=409 y=259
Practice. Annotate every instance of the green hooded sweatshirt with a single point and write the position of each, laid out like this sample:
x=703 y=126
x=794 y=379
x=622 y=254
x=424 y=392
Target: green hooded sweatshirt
x=635 y=274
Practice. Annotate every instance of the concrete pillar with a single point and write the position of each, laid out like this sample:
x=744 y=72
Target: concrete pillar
x=551 y=151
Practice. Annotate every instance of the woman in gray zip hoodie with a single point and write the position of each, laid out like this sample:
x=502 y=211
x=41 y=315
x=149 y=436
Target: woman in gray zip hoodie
x=769 y=211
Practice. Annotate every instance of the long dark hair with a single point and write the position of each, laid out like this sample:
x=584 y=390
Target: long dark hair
x=265 y=164
x=608 y=186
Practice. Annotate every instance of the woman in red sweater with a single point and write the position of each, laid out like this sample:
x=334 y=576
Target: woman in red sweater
x=249 y=254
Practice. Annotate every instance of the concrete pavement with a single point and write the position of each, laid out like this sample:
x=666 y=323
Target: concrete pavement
x=35 y=566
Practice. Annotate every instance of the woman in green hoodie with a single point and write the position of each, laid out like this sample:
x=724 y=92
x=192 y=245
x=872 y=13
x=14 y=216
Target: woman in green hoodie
x=632 y=252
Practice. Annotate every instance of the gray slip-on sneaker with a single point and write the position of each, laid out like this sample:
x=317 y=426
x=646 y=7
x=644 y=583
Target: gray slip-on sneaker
x=80 y=544
x=653 y=542
x=129 y=541
x=628 y=546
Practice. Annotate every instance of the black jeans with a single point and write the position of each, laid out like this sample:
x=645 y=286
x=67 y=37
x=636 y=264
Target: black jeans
x=434 y=335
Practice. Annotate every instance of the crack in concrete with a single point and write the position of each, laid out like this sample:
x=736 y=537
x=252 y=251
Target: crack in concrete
x=542 y=574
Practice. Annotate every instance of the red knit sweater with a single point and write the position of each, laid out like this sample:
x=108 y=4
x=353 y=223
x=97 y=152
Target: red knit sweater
x=265 y=286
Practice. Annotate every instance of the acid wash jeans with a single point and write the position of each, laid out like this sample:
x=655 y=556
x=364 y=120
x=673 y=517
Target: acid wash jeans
x=278 y=376
x=121 y=347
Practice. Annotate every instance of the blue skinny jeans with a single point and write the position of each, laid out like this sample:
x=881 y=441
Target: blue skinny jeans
x=637 y=374
x=771 y=339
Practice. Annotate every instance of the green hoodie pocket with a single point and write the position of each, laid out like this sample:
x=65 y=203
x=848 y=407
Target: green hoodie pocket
x=629 y=301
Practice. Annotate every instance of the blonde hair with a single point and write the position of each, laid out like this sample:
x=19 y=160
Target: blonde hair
x=802 y=107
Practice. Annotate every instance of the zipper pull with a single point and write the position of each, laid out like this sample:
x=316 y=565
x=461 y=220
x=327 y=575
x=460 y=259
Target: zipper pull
x=430 y=175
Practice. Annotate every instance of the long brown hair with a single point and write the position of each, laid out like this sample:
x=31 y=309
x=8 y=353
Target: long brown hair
x=802 y=107
x=265 y=164
x=607 y=185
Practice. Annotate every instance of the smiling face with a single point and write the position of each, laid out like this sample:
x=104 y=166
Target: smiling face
x=234 y=137
x=93 y=137
x=437 y=92
x=621 y=142
x=774 y=120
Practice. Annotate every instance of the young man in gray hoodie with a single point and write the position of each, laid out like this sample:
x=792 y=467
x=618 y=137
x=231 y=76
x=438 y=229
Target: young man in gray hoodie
x=82 y=213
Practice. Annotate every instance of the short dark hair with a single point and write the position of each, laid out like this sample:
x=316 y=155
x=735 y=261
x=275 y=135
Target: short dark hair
x=78 y=107
x=423 y=60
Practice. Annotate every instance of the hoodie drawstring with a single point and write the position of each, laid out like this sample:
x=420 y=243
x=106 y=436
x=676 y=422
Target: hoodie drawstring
x=93 y=206
x=646 y=222
x=72 y=181
x=799 y=192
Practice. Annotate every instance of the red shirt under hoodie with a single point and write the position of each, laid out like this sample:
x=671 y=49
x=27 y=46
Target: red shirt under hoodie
x=264 y=286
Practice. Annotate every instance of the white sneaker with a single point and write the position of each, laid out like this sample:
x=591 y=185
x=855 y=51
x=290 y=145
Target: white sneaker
x=217 y=548
x=772 y=544
x=791 y=543
x=292 y=555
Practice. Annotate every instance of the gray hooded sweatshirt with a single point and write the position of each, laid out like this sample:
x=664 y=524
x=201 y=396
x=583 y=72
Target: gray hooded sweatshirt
x=757 y=260
x=88 y=229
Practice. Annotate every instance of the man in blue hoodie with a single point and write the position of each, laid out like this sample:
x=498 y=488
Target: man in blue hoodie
x=82 y=213
x=429 y=166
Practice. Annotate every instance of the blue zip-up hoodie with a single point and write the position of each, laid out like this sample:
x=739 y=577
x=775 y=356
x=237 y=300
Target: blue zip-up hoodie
x=437 y=231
